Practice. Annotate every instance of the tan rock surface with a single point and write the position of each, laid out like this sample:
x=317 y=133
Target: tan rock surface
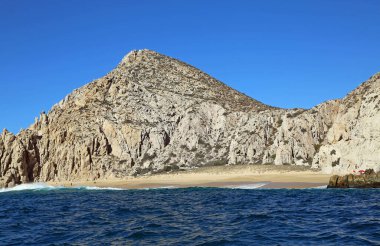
x=153 y=113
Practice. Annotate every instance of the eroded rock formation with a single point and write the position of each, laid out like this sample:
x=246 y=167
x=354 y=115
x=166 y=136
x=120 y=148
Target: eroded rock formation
x=153 y=113
x=369 y=179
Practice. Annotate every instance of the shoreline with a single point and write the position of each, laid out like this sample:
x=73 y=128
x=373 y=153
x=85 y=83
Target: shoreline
x=248 y=176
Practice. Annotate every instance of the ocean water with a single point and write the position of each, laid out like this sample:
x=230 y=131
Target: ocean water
x=42 y=215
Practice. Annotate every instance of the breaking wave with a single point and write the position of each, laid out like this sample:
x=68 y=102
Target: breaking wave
x=43 y=186
x=46 y=187
x=161 y=188
x=97 y=188
x=319 y=187
x=246 y=186
x=26 y=187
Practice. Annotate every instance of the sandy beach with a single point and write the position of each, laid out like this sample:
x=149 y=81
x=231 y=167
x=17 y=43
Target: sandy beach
x=263 y=176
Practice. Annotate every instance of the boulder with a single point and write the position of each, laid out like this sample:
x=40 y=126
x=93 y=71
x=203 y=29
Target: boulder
x=369 y=179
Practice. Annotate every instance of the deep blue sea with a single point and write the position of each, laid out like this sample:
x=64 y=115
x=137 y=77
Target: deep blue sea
x=192 y=216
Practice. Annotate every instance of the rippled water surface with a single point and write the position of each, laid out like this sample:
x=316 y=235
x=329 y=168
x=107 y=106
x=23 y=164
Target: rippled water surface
x=194 y=216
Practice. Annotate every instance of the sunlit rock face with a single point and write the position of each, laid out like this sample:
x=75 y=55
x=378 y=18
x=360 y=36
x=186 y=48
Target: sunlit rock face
x=153 y=113
x=353 y=141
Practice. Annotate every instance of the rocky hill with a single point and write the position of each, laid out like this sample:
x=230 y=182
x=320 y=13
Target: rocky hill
x=153 y=113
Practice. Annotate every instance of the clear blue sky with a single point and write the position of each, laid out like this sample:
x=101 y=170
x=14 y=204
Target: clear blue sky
x=294 y=53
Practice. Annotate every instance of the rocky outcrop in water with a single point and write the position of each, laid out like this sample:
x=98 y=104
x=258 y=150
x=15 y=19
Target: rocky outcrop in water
x=153 y=113
x=369 y=179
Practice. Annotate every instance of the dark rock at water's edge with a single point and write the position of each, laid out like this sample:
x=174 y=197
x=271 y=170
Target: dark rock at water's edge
x=369 y=179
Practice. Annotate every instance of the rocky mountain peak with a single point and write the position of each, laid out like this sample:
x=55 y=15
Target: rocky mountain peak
x=157 y=72
x=137 y=55
x=154 y=113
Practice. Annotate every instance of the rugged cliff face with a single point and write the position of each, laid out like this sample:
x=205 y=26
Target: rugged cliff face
x=153 y=113
x=353 y=142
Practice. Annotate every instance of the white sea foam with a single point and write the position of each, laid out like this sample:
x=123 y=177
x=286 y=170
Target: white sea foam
x=161 y=188
x=319 y=187
x=97 y=188
x=43 y=186
x=31 y=186
x=246 y=186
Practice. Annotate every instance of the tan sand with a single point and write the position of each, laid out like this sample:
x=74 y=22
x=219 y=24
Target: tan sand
x=220 y=176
